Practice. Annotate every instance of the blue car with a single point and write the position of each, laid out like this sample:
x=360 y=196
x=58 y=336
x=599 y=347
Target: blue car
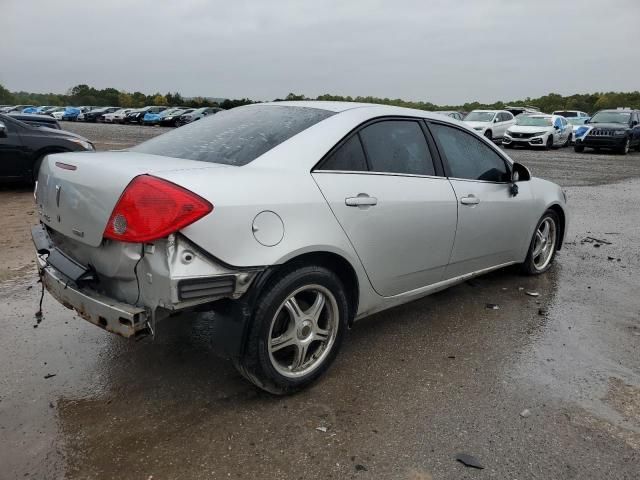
x=71 y=114
x=30 y=110
x=154 y=118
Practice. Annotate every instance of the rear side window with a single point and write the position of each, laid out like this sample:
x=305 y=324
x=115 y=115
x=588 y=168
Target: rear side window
x=349 y=157
x=469 y=157
x=234 y=137
x=397 y=146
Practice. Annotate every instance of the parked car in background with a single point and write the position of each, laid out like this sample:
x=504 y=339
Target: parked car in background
x=137 y=115
x=571 y=114
x=70 y=114
x=17 y=108
x=117 y=116
x=491 y=123
x=266 y=213
x=58 y=113
x=197 y=114
x=540 y=130
x=171 y=119
x=30 y=110
x=46 y=110
x=451 y=113
x=23 y=147
x=97 y=114
x=576 y=123
x=153 y=118
x=617 y=130
x=36 y=120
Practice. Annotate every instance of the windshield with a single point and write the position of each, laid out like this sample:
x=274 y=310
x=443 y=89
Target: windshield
x=526 y=121
x=577 y=121
x=566 y=114
x=611 y=117
x=480 y=117
x=234 y=137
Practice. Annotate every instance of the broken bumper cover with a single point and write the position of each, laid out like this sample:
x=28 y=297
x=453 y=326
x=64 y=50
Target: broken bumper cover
x=116 y=317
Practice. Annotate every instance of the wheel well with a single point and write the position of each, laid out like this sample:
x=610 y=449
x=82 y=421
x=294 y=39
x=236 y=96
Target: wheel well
x=560 y=212
x=338 y=265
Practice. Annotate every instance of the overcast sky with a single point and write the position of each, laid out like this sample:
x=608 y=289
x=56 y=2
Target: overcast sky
x=443 y=51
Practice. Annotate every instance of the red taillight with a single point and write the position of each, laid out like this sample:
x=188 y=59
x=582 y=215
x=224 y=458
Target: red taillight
x=152 y=208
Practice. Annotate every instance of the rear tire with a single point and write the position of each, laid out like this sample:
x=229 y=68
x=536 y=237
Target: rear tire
x=578 y=148
x=489 y=135
x=298 y=326
x=544 y=244
x=549 y=143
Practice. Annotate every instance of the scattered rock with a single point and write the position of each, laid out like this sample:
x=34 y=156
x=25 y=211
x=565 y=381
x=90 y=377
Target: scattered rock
x=361 y=468
x=453 y=356
x=525 y=413
x=49 y=375
x=492 y=306
x=469 y=461
x=322 y=429
x=542 y=312
x=532 y=294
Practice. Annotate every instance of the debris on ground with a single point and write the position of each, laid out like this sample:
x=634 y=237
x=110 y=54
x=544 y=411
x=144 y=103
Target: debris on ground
x=469 y=461
x=532 y=294
x=49 y=375
x=322 y=429
x=542 y=312
x=525 y=413
x=492 y=306
x=361 y=468
x=451 y=356
x=596 y=241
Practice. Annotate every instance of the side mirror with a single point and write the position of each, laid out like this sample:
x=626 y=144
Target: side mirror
x=634 y=123
x=3 y=130
x=496 y=120
x=557 y=127
x=519 y=173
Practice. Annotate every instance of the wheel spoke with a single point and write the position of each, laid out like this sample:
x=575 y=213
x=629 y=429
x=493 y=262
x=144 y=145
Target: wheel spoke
x=315 y=310
x=294 y=309
x=285 y=340
x=321 y=334
x=538 y=245
x=300 y=356
x=545 y=230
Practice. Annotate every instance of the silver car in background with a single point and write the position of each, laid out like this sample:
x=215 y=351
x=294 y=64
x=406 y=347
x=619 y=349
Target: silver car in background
x=290 y=220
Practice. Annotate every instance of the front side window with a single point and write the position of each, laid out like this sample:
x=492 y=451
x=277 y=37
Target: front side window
x=348 y=157
x=397 y=146
x=468 y=157
x=234 y=137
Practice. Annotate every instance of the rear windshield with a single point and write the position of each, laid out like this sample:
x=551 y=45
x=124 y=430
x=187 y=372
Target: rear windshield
x=234 y=137
x=566 y=114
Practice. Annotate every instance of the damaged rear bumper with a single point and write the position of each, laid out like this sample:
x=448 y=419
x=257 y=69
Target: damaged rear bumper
x=116 y=317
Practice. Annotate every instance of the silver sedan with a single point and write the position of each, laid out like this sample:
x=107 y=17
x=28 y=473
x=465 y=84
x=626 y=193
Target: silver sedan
x=290 y=221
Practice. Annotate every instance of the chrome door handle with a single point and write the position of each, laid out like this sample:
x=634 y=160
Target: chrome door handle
x=470 y=200
x=362 y=200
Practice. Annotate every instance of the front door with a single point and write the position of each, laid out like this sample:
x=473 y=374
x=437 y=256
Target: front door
x=493 y=225
x=12 y=155
x=398 y=214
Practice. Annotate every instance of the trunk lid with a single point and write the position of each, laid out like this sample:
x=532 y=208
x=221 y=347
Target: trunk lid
x=77 y=192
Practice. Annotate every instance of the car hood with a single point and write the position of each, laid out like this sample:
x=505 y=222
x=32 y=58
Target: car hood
x=613 y=126
x=527 y=129
x=478 y=124
x=54 y=132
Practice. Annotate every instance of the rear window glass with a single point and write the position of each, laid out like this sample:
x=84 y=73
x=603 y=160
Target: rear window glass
x=234 y=137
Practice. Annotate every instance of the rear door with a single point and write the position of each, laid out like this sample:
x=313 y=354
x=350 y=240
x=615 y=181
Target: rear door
x=397 y=210
x=493 y=225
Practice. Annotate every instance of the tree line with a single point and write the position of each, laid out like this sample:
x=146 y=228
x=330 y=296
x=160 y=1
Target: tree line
x=86 y=95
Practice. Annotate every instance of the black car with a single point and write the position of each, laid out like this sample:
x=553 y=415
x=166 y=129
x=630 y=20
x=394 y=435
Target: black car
x=172 y=119
x=96 y=114
x=36 y=120
x=23 y=147
x=617 y=130
x=197 y=115
x=136 y=116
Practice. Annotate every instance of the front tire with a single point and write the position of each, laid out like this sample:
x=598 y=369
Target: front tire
x=489 y=135
x=549 y=144
x=297 y=328
x=626 y=147
x=578 y=148
x=544 y=244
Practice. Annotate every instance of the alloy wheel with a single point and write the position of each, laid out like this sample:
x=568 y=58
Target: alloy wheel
x=303 y=331
x=545 y=243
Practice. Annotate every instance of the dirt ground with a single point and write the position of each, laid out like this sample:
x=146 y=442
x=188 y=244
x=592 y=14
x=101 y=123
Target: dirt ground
x=545 y=387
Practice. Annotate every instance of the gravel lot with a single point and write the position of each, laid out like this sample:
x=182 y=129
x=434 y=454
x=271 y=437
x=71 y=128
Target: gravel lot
x=412 y=388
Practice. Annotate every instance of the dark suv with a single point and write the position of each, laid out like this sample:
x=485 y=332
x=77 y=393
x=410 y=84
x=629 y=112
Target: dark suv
x=617 y=130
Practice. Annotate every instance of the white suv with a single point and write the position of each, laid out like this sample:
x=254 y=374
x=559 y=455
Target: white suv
x=491 y=123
